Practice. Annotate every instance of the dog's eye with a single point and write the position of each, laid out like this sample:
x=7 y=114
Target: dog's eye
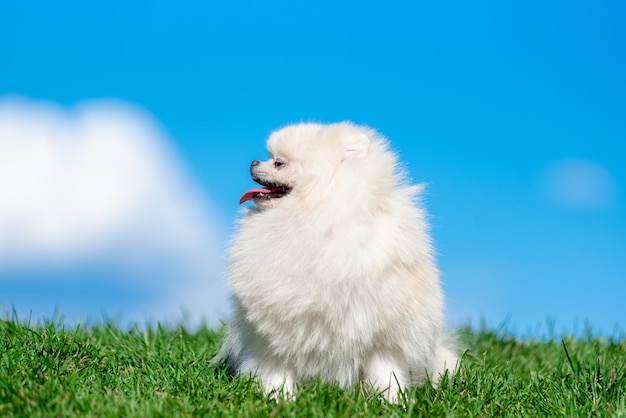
x=278 y=164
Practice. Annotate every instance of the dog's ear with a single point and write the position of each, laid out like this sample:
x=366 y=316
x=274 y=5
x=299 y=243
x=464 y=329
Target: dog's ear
x=357 y=145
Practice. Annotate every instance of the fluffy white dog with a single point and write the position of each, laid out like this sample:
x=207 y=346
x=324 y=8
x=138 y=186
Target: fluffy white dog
x=332 y=273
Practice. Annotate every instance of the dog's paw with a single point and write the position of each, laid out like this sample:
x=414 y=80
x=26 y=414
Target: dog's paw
x=278 y=385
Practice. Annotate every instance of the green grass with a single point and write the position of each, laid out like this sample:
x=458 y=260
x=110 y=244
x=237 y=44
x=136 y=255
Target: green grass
x=101 y=370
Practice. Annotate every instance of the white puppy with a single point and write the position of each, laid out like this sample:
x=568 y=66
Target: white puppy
x=332 y=273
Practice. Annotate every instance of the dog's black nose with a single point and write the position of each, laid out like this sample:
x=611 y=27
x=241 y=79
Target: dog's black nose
x=253 y=166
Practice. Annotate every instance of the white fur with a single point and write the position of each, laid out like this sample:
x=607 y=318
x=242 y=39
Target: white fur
x=336 y=280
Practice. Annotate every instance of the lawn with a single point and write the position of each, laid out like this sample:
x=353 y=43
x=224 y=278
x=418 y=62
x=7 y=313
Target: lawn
x=102 y=370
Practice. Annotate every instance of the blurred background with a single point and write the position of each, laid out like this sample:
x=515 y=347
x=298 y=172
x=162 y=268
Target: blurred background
x=127 y=129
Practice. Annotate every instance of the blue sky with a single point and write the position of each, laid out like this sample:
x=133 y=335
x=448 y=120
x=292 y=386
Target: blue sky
x=513 y=113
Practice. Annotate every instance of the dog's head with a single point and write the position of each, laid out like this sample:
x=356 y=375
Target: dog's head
x=313 y=161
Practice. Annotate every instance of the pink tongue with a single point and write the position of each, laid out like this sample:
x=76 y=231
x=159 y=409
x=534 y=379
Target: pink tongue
x=252 y=193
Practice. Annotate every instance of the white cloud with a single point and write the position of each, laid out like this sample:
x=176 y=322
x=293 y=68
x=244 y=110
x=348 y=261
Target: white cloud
x=579 y=183
x=99 y=184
